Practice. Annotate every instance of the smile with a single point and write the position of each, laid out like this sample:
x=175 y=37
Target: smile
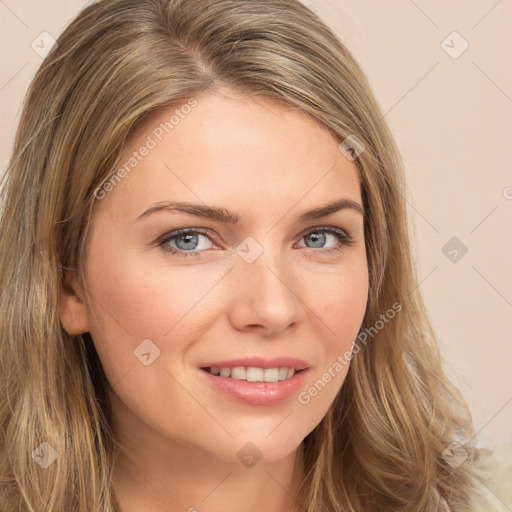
x=253 y=374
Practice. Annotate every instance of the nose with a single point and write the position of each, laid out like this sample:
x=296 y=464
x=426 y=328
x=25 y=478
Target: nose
x=265 y=295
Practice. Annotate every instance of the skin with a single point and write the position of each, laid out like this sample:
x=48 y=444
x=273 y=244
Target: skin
x=180 y=437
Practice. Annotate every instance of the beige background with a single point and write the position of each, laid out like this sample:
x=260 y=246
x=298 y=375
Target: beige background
x=452 y=119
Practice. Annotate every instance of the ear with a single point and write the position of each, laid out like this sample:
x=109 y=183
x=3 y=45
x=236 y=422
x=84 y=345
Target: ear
x=72 y=307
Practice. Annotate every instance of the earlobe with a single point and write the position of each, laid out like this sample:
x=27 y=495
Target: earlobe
x=72 y=306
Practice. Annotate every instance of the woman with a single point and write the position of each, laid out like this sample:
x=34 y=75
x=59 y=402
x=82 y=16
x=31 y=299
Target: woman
x=208 y=294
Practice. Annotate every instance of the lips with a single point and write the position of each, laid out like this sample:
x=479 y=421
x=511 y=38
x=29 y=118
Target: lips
x=256 y=380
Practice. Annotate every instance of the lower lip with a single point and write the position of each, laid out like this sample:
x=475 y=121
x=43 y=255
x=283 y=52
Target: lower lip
x=257 y=393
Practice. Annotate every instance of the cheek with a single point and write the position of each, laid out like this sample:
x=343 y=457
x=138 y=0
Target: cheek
x=346 y=307
x=132 y=300
x=340 y=296
x=151 y=303
x=341 y=303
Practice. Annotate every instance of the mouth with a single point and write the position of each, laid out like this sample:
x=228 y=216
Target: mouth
x=256 y=380
x=253 y=373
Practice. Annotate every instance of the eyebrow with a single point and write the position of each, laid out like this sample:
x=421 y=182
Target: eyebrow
x=227 y=217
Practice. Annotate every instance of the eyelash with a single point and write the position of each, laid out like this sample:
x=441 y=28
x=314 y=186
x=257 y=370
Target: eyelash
x=343 y=238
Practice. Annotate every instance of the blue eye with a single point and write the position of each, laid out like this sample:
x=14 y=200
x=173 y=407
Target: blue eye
x=187 y=242
x=319 y=236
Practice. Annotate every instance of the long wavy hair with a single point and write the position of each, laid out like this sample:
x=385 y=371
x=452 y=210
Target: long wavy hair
x=381 y=445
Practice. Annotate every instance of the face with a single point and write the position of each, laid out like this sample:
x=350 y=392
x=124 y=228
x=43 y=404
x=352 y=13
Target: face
x=230 y=319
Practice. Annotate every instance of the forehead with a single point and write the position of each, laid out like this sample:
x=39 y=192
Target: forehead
x=225 y=147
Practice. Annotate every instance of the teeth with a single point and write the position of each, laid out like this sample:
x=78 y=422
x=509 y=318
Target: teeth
x=283 y=372
x=225 y=372
x=253 y=374
x=271 y=374
x=238 y=373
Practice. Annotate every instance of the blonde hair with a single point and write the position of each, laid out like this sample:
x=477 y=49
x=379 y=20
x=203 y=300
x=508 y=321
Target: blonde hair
x=380 y=445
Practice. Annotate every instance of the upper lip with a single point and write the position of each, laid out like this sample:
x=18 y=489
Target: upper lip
x=259 y=362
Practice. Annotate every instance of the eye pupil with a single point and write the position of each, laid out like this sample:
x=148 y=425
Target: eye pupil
x=318 y=238
x=188 y=237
